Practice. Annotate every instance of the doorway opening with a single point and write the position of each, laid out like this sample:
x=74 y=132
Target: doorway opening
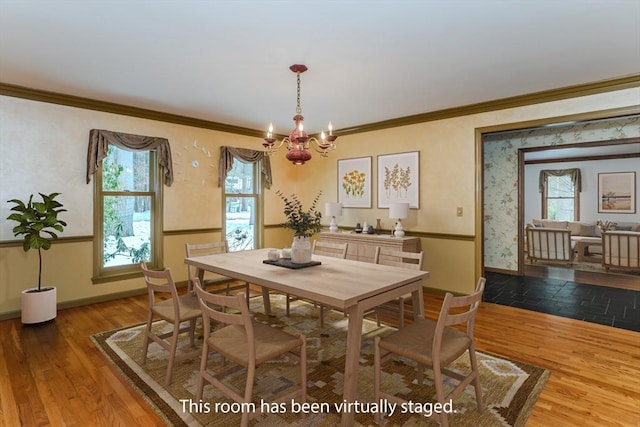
x=507 y=197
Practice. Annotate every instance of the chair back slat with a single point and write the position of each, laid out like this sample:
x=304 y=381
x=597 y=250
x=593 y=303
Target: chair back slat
x=160 y=281
x=215 y=306
x=395 y=258
x=446 y=318
x=203 y=249
x=336 y=250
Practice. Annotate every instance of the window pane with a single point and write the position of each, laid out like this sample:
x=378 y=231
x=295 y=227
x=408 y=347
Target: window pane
x=560 y=209
x=127 y=230
x=125 y=170
x=559 y=186
x=240 y=178
x=240 y=223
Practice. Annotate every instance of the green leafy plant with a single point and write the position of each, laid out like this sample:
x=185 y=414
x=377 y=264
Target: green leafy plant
x=304 y=223
x=38 y=222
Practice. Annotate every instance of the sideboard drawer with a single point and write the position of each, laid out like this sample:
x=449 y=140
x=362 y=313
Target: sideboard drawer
x=362 y=247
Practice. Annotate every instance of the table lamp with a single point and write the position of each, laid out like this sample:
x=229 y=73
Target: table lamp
x=399 y=211
x=333 y=210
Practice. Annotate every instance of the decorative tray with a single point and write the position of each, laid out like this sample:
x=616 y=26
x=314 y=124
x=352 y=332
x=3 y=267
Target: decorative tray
x=286 y=263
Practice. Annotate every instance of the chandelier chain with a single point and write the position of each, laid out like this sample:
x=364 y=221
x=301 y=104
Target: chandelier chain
x=298 y=108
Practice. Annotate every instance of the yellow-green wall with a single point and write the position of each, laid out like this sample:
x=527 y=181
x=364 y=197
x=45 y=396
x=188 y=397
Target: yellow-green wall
x=43 y=149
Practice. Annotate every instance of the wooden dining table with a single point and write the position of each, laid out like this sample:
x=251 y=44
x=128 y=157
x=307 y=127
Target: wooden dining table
x=352 y=286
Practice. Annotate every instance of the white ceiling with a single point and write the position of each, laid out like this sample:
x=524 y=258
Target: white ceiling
x=227 y=61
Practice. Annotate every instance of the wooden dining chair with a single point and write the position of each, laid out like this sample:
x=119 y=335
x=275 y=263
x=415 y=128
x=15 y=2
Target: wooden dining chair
x=246 y=343
x=167 y=305
x=335 y=250
x=211 y=279
x=395 y=258
x=435 y=345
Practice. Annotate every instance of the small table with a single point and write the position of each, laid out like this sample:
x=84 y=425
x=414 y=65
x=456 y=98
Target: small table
x=583 y=243
x=353 y=286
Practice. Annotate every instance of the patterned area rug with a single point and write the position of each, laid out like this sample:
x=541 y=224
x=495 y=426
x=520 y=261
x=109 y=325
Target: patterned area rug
x=510 y=388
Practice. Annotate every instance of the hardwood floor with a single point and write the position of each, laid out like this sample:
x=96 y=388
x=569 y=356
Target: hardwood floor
x=612 y=280
x=52 y=374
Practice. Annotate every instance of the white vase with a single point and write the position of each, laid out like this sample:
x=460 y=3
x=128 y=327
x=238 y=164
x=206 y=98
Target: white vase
x=38 y=307
x=300 y=250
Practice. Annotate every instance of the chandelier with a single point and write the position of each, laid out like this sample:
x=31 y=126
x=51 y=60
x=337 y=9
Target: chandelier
x=298 y=142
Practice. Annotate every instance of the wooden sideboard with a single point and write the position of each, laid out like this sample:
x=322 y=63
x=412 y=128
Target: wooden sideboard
x=362 y=247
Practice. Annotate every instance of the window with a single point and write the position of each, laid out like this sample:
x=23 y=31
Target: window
x=127 y=209
x=560 y=198
x=242 y=200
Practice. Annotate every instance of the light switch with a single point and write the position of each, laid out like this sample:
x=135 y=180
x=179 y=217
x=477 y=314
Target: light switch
x=459 y=211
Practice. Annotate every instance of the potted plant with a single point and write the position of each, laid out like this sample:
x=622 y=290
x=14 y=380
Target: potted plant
x=304 y=224
x=38 y=223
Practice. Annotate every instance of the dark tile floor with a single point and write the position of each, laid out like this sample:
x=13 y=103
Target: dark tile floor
x=619 y=308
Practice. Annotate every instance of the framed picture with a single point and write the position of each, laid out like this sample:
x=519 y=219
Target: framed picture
x=354 y=182
x=399 y=179
x=617 y=192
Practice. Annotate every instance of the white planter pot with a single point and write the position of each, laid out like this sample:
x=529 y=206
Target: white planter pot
x=38 y=307
x=300 y=250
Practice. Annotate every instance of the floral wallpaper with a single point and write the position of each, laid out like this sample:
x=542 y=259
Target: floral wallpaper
x=501 y=177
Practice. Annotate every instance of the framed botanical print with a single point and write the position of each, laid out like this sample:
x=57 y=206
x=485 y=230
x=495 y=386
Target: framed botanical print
x=354 y=182
x=617 y=192
x=399 y=179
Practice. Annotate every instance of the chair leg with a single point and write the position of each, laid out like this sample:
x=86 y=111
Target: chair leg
x=321 y=316
x=288 y=303
x=376 y=377
x=172 y=353
x=476 y=381
x=438 y=382
x=203 y=368
x=192 y=332
x=303 y=369
x=401 y=320
x=145 y=342
x=248 y=392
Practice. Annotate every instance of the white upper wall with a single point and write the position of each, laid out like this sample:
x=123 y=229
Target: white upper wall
x=589 y=195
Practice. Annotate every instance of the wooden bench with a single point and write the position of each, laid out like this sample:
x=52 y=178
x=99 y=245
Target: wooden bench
x=621 y=249
x=549 y=244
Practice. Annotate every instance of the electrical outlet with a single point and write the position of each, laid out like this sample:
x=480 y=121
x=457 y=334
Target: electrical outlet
x=459 y=211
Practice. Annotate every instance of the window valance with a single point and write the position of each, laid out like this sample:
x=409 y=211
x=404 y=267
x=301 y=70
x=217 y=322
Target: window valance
x=227 y=154
x=573 y=173
x=100 y=139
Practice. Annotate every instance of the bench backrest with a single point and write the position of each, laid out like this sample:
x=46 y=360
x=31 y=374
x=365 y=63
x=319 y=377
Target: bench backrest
x=550 y=244
x=621 y=249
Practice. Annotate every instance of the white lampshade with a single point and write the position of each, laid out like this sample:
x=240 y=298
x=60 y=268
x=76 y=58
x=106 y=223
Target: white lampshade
x=333 y=209
x=399 y=210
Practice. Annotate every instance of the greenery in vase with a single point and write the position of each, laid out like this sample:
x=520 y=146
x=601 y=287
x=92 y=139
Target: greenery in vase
x=304 y=223
x=37 y=222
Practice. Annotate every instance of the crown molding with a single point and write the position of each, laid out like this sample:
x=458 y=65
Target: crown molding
x=125 y=110
x=499 y=104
